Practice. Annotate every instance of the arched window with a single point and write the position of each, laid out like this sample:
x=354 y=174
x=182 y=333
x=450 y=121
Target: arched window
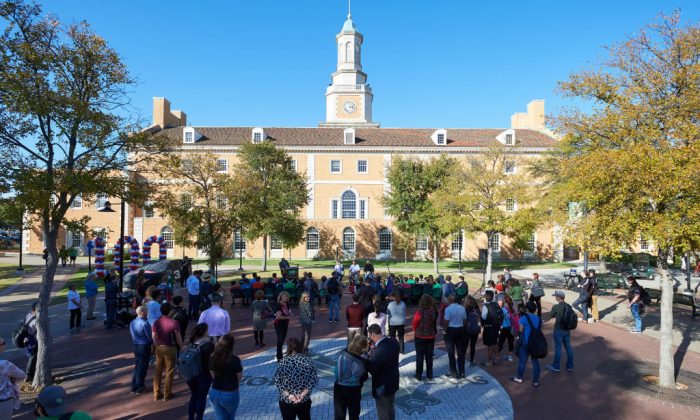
x=349 y=205
x=312 y=239
x=384 y=240
x=348 y=239
x=348 y=51
x=167 y=234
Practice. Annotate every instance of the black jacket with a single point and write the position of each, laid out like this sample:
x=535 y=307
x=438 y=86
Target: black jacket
x=384 y=367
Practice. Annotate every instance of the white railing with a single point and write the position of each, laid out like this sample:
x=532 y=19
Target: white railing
x=358 y=88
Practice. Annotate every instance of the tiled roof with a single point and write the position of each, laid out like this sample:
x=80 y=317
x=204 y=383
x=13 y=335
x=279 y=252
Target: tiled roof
x=365 y=137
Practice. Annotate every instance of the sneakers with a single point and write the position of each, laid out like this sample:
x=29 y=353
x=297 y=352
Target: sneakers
x=508 y=358
x=516 y=379
x=552 y=368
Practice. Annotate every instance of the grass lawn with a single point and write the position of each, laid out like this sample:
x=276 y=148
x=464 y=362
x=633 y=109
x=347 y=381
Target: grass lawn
x=79 y=280
x=9 y=276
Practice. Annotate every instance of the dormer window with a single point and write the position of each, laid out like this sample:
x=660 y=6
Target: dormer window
x=509 y=139
x=190 y=135
x=258 y=135
x=349 y=136
x=439 y=137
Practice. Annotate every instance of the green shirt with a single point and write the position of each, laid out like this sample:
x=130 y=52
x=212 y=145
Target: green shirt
x=411 y=281
x=516 y=292
x=73 y=252
x=77 y=415
x=557 y=312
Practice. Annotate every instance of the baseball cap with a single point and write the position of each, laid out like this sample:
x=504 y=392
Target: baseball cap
x=559 y=294
x=53 y=399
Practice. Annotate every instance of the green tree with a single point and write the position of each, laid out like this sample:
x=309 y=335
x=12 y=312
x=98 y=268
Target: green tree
x=63 y=134
x=412 y=181
x=488 y=195
x=632 y=161
x=201 y=201
x=275 y=195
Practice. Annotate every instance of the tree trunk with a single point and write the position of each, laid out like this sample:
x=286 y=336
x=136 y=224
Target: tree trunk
x=435 y=257
x=489 y=257
x=42 y=377
x=264 y=258
x=405 y=255
x=666 y=364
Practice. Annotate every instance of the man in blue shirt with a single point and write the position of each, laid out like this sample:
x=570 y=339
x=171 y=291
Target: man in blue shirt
x=454 y=318
x=527 y=323
x=142 y=340
x=193 y=292
x=91 y=291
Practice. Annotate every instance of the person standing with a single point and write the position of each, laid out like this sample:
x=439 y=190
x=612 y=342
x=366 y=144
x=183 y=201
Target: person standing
x=581 y=304
x=634 y=298
x=153 y=306
x=91 y=291
x=425 y=329
x=515 y=291
x=216 y=318
x=396 y=310
x=199 y=385
x=350 y=374
x=224 y=394
x=306 y=319
x=142 y=344
x=472 y=327
x=339 y=269
x=528 y=323
x=284 y=266
x=167 y=339
x=491 y=321
x=593 y=300
x=261 y=310
x=111 y=300
x=508 y=328
x=455 y=317
x=561 y=336
x=31 y=346
x=282 y=317
x=179 y=314
x=333 y=288
x=384 y=367
x=377 y=317
x=295 y=377
x=311 y=287
x=63 y=255
x=354 y=272
x=536 y=292
x=355 y=314
x=74 y=305
x=193 y=293
x=9 y=392
x=73 y=253
x=368 y=269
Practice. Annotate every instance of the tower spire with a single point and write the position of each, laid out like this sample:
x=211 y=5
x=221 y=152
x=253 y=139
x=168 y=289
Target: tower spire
x=349 y=14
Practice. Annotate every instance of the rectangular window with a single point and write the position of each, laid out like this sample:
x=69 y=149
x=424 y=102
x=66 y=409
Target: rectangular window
x=257 y=138
x=335 y=166
x=238 y=242
x=509 y=139
x=221 y=201
x=495 y=243
x=186 y=165
x=76 y=240
x=361 y=166
x=222 y=165
x=186 y=200
x=148 y=210
x=510 y=204
x=422 y=243
x=334 y=209
x=457 y=242
x=532 y=242
x=77 y=202
x=349 y=138
x=100 y=200
x=293 y=165
x=363 y=209
x=509 y=167
x=440 y=139
x=643 y=243
x=275 y=242
x=189 y=137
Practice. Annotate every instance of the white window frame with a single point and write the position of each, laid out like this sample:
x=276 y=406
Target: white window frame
x=70 y=240
x=189 y=137
x=497 y=241
x=441 y=139
x=509 y=167
x=293 y=165
x=532 y=242
x=508 y=139
x=354 y=240
x=383 y=232
x=335 y=204
x=275 y=243
x=313 y=244
x=148 y=210
x=77 y=203
x=363 y=209
x=643 y=243
x=340 y=166
x=219 y=165
x=168 y=235
x=511 y=205
x=359 y=164
x=239 y=243
x=221 y=201
x=257 y=138
x=355 y=210
x=421 y=243
x=100 y=200
x=454 y=246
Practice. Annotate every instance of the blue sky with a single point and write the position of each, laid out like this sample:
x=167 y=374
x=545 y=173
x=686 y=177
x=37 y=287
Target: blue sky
x=436 y=63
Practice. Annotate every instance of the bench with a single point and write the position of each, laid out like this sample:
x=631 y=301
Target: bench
x=654 y=294
x=607 y=283
x=687 y=299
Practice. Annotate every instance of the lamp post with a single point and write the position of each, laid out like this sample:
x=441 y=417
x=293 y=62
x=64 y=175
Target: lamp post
x=240 y=250
x=108 y=209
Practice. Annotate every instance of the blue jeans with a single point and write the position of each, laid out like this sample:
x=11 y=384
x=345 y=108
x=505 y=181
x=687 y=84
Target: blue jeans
x=581 y=305
x=334 y=307
x=199 y=387
x=563 y=337
x=522 y=361
x=637 y=317
x=142 y=356
x=225 y=403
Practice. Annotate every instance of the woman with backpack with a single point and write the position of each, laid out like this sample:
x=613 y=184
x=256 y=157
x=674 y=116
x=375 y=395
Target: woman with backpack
x=425 y=329
x=227 y=369
x=261 y=312
x=529 y=322
x=472 y=328
x=635 y=303
x=508 y=328
x=199 y=385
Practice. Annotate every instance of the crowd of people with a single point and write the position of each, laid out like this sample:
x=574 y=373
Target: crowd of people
x=510 y=314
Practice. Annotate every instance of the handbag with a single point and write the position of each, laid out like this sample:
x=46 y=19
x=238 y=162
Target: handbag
x=537 y=291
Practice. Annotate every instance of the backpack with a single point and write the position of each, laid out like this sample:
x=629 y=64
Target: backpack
x=644 y=296
x=180 y=315
x=494 y=318
x=21 y=334
x=569 y=319
x=536 y=342
x=514 y=318
x=332 y=287
x=473 y=323
x=449 y=290
x=189 y=363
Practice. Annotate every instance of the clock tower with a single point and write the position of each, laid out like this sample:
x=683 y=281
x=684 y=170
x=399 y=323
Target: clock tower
x=349 y=97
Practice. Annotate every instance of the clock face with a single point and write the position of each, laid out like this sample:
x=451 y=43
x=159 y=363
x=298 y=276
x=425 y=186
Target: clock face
x=349 y=107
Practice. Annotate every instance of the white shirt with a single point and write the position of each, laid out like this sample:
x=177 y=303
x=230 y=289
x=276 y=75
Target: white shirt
x=193 y=286
x=338 y=268
x=354 y=268
x=455 y=315
x=73 y=295
x=217 y=319
x=380 y=320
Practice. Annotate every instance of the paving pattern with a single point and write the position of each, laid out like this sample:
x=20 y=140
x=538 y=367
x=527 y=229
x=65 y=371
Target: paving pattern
x=479 y=396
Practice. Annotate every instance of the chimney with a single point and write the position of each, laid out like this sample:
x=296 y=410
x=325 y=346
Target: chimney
x=163 y=117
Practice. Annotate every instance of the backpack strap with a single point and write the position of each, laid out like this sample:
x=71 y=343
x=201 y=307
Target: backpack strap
x=532 y=326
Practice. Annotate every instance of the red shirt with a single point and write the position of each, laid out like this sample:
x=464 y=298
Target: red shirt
x=416 y=320
x=355 y=314
x=163 y=329
x=258 y=285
